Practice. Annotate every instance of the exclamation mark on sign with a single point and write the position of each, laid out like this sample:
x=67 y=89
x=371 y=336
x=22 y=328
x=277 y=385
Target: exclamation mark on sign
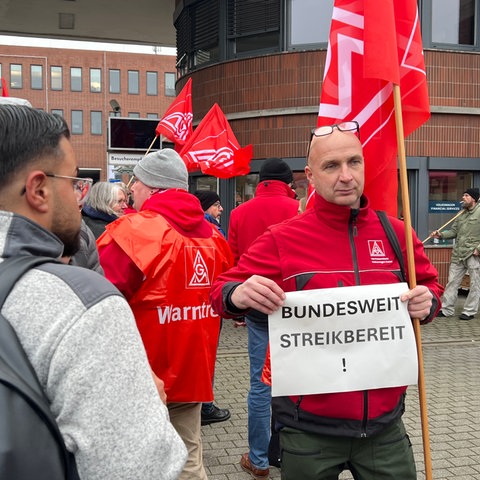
x=344 y=363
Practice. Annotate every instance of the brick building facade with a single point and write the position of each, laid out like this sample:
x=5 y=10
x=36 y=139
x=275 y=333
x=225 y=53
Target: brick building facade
x=44 y=76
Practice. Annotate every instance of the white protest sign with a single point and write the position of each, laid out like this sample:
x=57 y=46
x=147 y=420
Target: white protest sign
x=342 y=340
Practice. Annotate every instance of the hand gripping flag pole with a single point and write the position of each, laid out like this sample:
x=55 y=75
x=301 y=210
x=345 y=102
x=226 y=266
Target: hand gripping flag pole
x=410 y=12
x=412 y=280
x=444 y=225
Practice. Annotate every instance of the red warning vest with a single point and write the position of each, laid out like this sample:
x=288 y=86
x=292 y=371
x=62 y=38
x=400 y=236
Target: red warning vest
x=172 y=309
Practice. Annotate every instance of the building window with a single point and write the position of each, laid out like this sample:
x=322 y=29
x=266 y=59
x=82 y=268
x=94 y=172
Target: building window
x=453 y=22
x=152 y=115
x=76 y=125
x=445 y=191
x=170 y=84
x=57 y=111
x=96 y=123
x=134 y=115
x=16 y=76
x=152 y=83
x=95 y=80
x=253 y=25
x=114 y=81
x=133 y=82
x=36 y=77
x=450 y=24
x=198 y=28
x=309 y=22
x=56 y=78
x=75 y=79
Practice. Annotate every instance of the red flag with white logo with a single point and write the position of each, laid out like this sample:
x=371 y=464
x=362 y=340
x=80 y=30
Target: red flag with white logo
x=4 y=88
x=373 y=44
x=214 y=150
x=176 y=124
x=310 y=197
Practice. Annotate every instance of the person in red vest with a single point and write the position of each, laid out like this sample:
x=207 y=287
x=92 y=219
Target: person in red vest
x=274 y=202
x=164 y=259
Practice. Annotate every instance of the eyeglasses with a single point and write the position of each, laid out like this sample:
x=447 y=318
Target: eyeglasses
x=216 y=204
x=343 y=127
x=325 y=130
x=81 y=186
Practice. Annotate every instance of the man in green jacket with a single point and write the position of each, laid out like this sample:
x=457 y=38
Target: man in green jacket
x=465 y=258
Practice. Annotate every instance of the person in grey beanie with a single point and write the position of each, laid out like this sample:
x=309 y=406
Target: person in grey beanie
x=465 y=258
x=163 y=259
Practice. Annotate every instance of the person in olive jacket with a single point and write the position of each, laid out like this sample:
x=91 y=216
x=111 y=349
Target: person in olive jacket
x=465 y=258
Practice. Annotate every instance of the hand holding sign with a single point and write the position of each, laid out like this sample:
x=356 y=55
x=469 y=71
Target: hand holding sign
x=259 y=293
x=419 y=301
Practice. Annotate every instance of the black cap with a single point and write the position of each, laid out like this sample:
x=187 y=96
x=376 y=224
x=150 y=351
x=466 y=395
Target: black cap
x=276 y=169
x=473 y=192
x=207 y=198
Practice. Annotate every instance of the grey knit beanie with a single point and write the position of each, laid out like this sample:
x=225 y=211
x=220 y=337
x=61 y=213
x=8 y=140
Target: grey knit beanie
x=162 y=169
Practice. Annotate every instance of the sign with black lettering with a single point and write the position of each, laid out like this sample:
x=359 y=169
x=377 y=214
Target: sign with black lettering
x=342 y=340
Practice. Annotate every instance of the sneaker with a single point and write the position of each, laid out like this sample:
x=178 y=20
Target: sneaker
x=464 y=316
x=216 y=415
x=256 y=473
x=440 y=314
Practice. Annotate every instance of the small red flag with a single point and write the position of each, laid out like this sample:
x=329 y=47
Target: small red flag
x=4 y=88
x=310 y=197
x=214 y=150
x=373 y=44
x=176 y=124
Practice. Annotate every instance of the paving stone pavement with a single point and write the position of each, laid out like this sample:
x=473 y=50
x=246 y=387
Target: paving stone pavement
x=451 y=353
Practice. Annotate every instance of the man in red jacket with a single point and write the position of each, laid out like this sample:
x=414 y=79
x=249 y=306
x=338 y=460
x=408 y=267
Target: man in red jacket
x=273 y=203
x=328 y=247
x=164 y=259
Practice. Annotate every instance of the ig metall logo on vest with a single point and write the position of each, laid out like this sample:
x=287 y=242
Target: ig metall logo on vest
x=199 y=266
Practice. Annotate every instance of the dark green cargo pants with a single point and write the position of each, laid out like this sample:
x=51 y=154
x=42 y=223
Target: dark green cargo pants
x=309 y=456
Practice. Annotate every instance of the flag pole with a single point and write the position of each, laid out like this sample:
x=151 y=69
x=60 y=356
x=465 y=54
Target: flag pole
x=444 y=225
x=146 y=153
x=151 y=145
x=411 y=275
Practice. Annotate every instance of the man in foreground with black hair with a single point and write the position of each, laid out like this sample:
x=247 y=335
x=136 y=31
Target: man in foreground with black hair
x=77 y=331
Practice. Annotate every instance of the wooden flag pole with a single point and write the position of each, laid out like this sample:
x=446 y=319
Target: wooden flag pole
x=146 y=153
x=411 y=276
x=151 y=145
x=444 y=225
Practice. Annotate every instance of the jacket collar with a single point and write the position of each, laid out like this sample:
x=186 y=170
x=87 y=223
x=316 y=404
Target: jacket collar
x=274 y=187
x=338 y=214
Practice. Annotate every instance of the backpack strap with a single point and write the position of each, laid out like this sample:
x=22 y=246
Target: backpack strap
x=15 y=368
x=393 y=239
x=12 y=268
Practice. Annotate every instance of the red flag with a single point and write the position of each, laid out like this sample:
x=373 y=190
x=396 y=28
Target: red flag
x=310 y=197
x=373 y=44
x=4 y=88
x=214 y=149
x=176 y=124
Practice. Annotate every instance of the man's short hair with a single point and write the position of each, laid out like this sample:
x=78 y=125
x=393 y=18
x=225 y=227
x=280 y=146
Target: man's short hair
x=27 y=135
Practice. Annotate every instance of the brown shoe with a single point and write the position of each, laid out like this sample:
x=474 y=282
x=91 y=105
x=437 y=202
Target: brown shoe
x=256 y=473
